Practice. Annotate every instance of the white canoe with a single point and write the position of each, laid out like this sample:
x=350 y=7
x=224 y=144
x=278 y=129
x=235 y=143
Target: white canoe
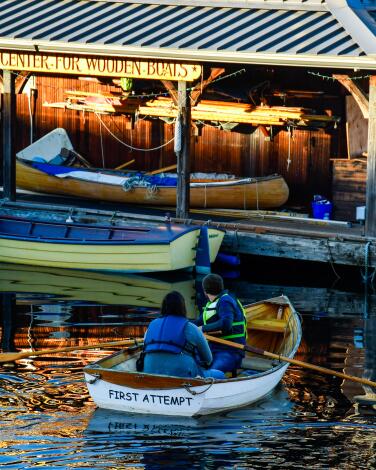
x=273 y=325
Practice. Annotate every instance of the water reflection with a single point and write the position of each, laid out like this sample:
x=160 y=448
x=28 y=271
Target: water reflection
x=48 y=419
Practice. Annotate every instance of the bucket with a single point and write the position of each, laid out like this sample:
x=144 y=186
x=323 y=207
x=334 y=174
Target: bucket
x=322 y=210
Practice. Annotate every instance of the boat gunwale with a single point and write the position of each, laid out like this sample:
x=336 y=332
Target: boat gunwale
x=215 y=183
x=96 y=366
x=185 y=229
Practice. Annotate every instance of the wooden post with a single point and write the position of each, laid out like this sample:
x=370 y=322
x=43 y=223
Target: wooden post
x=182 y=148
x=9 y=121
x=8 y=304
x=370 y=223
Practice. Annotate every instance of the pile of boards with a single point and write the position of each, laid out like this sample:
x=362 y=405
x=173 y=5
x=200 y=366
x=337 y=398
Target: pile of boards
x=205 y=110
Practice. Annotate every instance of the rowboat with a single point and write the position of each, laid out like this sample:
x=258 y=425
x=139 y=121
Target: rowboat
x=127 y=248
x=206 y=190
x=273 y=325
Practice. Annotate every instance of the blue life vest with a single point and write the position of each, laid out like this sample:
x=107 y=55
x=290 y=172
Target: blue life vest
x=166 y=334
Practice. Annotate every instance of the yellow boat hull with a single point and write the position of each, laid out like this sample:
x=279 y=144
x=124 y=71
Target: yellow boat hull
x=179 y=254
x=256 y=193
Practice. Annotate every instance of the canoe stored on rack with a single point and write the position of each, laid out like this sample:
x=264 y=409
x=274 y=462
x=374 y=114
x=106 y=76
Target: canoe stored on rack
x=130 y=248
x=206 y=190
x=114 y=383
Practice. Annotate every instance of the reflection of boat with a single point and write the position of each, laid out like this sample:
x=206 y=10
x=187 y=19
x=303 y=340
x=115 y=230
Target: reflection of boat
x=99 y=288
x=40 y=168
x=273 y=325
x=130 y=248
x=205 y=190
x=94 y=287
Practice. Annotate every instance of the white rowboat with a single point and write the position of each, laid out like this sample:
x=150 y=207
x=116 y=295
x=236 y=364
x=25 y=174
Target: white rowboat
x=273 y=325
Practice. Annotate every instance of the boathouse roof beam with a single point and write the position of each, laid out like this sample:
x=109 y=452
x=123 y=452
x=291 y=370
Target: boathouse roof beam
x=308 y=33
x=332 y=62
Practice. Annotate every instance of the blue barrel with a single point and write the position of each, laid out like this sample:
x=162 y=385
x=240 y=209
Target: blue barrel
x=322 y=210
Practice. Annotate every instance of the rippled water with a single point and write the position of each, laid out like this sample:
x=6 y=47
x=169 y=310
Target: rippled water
x=48 y=420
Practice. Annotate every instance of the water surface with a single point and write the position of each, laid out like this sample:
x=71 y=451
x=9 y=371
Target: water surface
x=48 y=419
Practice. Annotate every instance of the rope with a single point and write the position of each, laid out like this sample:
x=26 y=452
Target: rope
x=193 y=392
x=130 y=146
x=102 y=150
x=331 y=261
x=367 y=278
x=151 y=191
x=289 y=148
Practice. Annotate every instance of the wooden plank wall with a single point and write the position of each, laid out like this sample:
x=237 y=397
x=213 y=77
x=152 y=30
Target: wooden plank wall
x=349 y=187
x=248 y=153
x=357 y=128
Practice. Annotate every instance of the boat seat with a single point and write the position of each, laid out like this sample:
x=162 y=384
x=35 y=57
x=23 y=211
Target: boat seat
x=273 y=325
x=260 y=364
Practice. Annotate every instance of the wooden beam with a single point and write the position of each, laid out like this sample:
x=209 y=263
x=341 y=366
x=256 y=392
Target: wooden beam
x=370 y=224
x=8 y=124
x=196 y=93
x=182 y=149
x=358 y=94
x=170 y=87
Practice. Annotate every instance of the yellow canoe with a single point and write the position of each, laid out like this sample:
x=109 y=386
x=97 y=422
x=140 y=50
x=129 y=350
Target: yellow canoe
x=234 y=193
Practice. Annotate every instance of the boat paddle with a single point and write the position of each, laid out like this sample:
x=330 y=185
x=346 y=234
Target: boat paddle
x=306 y=365
x=15 y=356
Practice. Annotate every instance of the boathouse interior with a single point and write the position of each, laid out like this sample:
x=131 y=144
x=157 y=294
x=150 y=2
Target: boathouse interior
x=307 y=126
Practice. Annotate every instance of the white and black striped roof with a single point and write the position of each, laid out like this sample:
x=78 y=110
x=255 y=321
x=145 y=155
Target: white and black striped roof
x=300 y=32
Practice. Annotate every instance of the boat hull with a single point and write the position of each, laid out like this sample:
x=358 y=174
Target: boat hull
x=252 y=193
x=130 y=248
x=188 y=401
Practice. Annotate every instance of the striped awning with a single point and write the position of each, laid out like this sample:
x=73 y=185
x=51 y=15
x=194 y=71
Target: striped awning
x=284 y=33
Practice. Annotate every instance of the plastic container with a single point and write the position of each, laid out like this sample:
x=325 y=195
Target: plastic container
x=322 y=209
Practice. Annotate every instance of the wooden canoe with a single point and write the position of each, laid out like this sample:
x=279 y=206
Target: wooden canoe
x=132 y=248
x=273 y=325
x=235 y=193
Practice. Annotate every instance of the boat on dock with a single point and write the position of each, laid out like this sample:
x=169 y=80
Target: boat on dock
x=273 y=325
x=43 y=168
x=128 y=248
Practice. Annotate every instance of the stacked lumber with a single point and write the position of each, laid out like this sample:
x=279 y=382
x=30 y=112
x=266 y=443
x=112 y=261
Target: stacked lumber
x=221 y=111
x=205 y=110
x=105 y=103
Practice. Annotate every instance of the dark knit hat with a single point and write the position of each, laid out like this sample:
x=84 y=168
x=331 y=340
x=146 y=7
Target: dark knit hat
x=213 y=284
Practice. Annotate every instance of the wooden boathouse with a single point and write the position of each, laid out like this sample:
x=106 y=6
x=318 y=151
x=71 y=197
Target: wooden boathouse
x=250 y=88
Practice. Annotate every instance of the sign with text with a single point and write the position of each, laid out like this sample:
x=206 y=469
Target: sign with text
x=98 y=66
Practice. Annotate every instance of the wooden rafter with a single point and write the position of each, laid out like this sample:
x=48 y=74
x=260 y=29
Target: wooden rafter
x=170 y=87
x=358 y=94
x=196 y=93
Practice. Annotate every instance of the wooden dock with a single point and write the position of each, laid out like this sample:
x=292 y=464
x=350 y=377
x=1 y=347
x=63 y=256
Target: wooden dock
x=259 y=234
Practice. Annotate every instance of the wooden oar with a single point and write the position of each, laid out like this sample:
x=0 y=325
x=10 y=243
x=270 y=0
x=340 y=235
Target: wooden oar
x=15 y=356
x=161 y=170
x=124 y=165
x=306 y=365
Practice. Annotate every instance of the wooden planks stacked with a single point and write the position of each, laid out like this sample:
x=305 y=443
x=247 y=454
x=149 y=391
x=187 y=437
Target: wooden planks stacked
x=205 y=110
x=97 y=102
x=349 y=187
x=220 y=111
